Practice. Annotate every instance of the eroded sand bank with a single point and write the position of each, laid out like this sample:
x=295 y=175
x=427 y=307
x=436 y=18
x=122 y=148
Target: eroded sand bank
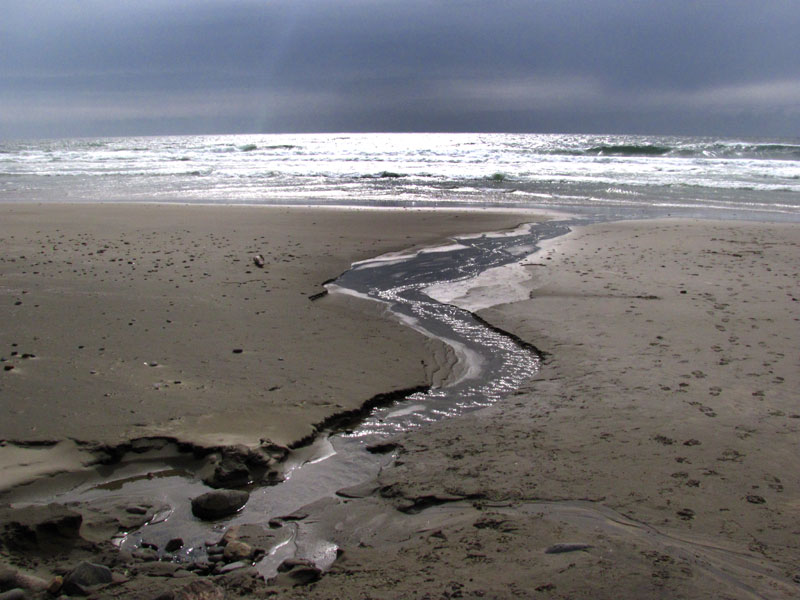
x=128 y=321
x=660 y=436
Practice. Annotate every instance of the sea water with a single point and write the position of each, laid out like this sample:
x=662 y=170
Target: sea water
x=607 y=175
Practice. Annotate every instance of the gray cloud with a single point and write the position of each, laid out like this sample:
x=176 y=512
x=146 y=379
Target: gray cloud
x=91 y=67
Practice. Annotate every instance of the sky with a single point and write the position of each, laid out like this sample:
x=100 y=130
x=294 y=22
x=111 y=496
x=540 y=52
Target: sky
x=72 y=68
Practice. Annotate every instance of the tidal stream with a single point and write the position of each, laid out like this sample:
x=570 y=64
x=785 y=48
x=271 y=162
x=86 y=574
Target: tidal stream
x=489 y=366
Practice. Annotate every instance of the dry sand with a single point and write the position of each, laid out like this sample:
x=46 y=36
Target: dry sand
x=662 y=431
x=125 y=321
x=653 y=456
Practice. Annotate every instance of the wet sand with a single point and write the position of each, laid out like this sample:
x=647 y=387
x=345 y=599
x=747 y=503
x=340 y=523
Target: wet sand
x=657 y=446
x=129 y=321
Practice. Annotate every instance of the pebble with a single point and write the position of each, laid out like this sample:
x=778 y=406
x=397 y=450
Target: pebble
x=234 y=566
x=174 y=544
x=85 y=575
x=145 y=554
x=219 y=503
x=237 y=551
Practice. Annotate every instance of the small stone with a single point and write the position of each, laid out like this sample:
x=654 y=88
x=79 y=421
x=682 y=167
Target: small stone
x=296 y=572
x=237 y=551
x=55 y=585
x=174 y=544
x=219 y=503
x=15 y=594
x=230 y=471
x=231 y=534
x=145 y=554
x=687 y=514
x=755 y=499
x=237 y=350
x=86 y=575
x=234 y=566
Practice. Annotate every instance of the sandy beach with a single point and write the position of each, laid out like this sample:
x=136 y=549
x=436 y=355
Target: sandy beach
x=653 y=455
x=132 y=321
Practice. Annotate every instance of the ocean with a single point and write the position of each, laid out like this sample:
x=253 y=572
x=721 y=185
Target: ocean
x=602 y=175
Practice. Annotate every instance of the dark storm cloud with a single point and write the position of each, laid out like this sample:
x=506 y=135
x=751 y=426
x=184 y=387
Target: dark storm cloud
x=96 y=67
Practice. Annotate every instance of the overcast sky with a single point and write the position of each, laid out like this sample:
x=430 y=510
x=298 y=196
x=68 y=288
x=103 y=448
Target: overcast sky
x=113 y=67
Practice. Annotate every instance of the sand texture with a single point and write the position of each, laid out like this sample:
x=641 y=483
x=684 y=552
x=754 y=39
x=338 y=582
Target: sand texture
x=658 y=442
x=128 y=321
x=654 y=455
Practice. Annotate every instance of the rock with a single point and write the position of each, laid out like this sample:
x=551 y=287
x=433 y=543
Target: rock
x=755 y=499
x=231 y=534
x=258 y=260
x=15 y=594
x=219 y=503
x=55 y=585
x=11 y=578
x=236 y=551
x=174 y=544
x=86 y=575
x=231 y=471
x=295 y=572
x=145 y=554
x=39 y=527
x=240 y=564
x=362 y=490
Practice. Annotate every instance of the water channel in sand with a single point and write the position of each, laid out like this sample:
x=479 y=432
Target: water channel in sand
x=490 y=365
